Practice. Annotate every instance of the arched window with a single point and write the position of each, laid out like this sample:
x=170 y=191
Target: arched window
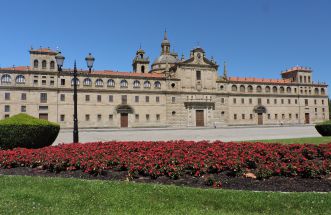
x=234 y=88
x=147 y=84
x=142 y=69
x=250 y=88
x=43 y=64
x=288 y=90
x=267 y=89
x=72 y=82
x=124 y=83
x=99 y=82
x=111 y=83
x=274 y=89
x=20 y=79
x=282 y=89
x=322 y=91
x=87 y=82
x=242 y=88
x=259 y=89
x=317 y=91
x=157 y=84
x=35 y=63
x=52 y=64
x=5 y=79
x=136 y=84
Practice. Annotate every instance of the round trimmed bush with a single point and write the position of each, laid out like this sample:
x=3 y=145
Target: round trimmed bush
x=324 y=128
x=25 y=131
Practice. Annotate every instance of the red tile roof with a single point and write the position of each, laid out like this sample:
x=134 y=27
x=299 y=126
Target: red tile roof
x=16 y=68
x=259 y=80
x=44 y=50
x=298 y=68
x=131 y=74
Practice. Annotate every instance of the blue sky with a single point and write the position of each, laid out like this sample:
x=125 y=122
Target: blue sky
x=257 y=38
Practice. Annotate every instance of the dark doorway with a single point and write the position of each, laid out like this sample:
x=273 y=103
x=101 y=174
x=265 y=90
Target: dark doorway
x=124 y=120
x=199 y=117
x=307 y=118
x=260 y=118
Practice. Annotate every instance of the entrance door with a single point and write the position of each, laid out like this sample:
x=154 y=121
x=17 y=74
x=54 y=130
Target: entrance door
x=199 y=118
x=260 y=118
x=124 y=120
x=307 y=118
x=43 y=116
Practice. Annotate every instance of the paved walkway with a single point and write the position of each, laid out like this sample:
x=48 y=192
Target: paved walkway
x=224 y=134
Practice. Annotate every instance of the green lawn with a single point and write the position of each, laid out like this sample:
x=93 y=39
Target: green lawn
x=313 y=140
x=37 y=195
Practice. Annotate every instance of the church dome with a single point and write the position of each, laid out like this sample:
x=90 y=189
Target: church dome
x=165 y=58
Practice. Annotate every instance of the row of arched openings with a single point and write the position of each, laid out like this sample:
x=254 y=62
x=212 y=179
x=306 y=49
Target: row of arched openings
x=43 y=64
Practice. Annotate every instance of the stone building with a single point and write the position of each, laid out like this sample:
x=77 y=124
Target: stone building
x=172 y=92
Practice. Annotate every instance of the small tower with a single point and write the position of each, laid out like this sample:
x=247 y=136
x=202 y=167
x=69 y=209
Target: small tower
x=225 y=72
x=165 y=45
x=140 y=62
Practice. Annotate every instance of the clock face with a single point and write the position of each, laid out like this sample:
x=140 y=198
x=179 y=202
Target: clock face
x=199 y=55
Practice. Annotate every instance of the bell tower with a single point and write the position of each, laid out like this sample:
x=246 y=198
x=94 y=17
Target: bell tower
x=140 y=62
x=165 y=45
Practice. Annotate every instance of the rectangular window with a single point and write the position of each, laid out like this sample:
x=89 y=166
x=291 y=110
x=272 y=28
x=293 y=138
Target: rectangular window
x=35 y=82
x=7 y=116
x=283 y=116
x=124 y=99
x=62 y=97
x=136 y=98
x=251 y=116
x=43 y=82
x=315 y=110
x=198 y=75
x=43 y=97
x=173 y=99
x=250 y=101
x=87 y=117
x=323 y=110
x=290 y=116
x=276 y=116
x=147 y=117
x=51 y=82
x=259 y=101
x=111 y=98
x=147 y=99
x=43 y=108
x=282 y=101
x=289 y=101
x=222 y=100
x=23 y=96
x=157 y=99
x=99 y=98
x=296 y=101
x=322 y=102
x=315 y=101
x=62 y=117
x=242 y=101
x=7 y=108
x=87 y=98
x=275 y=101
x=23 y=108
x=297 y=116
x=110 y=117
x=63 y=81
x=99 y=117
x=7 y=96
x=269 y=116
x=243 y=116
x=157 y=117
x=137 y=117
x=268 y=101
x=234 y=101
x=306 y=102
x=235 y=116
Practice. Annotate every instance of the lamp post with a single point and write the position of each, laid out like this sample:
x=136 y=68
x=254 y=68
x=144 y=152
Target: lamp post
x=59 y=61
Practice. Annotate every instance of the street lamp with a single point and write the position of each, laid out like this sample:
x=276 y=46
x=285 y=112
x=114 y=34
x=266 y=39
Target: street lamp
x=89 y=60
x=59 y=61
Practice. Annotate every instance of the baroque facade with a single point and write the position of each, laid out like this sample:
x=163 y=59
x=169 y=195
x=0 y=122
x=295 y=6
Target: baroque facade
x=171 y=92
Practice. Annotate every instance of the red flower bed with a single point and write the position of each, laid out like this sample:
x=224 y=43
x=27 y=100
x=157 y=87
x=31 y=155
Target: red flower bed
x=174 y=158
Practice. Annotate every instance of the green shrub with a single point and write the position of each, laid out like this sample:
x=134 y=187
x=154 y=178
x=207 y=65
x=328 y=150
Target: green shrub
x=324 y=128
x=26 y=131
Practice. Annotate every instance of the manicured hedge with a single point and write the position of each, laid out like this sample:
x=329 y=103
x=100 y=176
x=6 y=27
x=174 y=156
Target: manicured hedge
x=324 y=128
x=26 y=131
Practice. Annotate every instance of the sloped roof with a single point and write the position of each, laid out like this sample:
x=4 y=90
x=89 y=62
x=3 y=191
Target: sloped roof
x=259 y=80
